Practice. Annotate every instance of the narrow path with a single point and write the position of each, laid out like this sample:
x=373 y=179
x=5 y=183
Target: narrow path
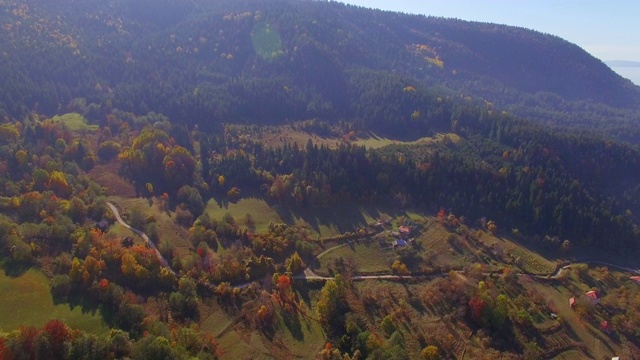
x=144 y=236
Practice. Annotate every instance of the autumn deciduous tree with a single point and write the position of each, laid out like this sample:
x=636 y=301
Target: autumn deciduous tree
x=294 y=263
x=265 y=315
x=58 y=184
x=430 y=352
x=492 y=227
x=108 y=150
x=331 y=302
x=476 y=308
x=284 y=288
x=57 y=333
x=233 y=194
x=400 y=268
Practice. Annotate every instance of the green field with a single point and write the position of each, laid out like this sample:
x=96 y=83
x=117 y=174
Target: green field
x=300 y=337
x=26 y=300
x=374 y=141
x=167 y=228
x=261 y=212
x=369 y=257
x=75 y=122
x=323 y=222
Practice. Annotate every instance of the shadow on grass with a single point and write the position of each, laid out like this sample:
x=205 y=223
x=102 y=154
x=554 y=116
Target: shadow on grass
x=601 y=340
x=341 y=217
x=304 y=289
x=292 y=322
x=14 y=269
x=572 y=333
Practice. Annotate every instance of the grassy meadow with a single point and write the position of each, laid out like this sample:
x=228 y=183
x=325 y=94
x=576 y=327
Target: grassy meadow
x=167 y=228
x=26 y=300
x=75 y=122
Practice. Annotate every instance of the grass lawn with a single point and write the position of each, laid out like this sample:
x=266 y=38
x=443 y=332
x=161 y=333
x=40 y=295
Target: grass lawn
x=557 y=298
x=26 y=300
x=75 y=122
x=107 y=176
x=167 y=229
x=570 y=355
x=214 y=320
x=322 y=222
x=261 y=212
x=374 y=141
x=277 y=136
x=340 y=218
x=238 y=343
x=369 y=257
x=530 y=261
x=308 y=341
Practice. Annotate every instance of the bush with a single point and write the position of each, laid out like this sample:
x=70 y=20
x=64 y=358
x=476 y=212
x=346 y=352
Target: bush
x=184 y=217
x=60 y=286
x=108 y=150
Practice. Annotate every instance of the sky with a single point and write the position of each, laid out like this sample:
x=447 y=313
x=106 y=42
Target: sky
x=607 y=29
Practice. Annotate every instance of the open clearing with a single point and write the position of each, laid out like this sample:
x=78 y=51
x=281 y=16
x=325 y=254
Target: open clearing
x=261 y=212
x=277 y=136
x=75 y=122
x=167 y=229
x=322 y=222
x=374 y=141
x=107 y=176
x=297 y=337
x=26 y=300
x=369 y=257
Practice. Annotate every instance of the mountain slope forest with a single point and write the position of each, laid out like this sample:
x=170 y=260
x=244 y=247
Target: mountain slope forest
x=213 y=62
x=280 y=155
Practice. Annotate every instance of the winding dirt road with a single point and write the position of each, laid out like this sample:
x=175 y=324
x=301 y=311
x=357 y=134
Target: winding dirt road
x=144 y=236
x=309 y=274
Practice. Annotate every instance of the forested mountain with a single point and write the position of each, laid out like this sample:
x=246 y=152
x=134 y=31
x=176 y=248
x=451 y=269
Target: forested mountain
x=203 y=62
x=249 y=138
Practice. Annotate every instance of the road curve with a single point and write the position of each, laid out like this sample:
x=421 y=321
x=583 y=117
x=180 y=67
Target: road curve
x=144 y=236
x=309 y=274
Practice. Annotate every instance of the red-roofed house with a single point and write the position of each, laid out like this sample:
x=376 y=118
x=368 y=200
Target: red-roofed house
x=572 y=302
x=404 y=229
x=604 y=326
x=593 y=297
x=635 y=279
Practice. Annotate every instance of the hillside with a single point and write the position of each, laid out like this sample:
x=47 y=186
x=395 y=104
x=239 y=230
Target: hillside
x=208 y=63
x=185 y=179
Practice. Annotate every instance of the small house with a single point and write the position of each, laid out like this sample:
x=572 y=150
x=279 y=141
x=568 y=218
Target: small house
x=404 y=231
x=399 y=243
x=572 y=302
x=592 y=296
x=605 y=327
x=635 y=279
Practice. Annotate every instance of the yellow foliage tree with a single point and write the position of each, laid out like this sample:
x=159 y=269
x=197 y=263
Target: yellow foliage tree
x=431 y=352
x=399 y=268
x=76 y=270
